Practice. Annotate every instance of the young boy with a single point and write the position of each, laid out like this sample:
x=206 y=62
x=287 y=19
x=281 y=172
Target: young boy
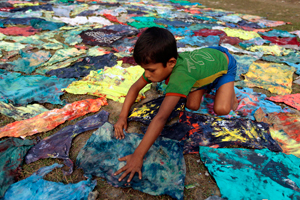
x=188 y=75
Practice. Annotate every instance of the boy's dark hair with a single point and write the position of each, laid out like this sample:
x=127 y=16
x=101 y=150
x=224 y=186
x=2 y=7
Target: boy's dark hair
x=155 y=45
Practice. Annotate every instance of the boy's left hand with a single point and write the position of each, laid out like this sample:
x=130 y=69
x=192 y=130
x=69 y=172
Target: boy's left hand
x=134 y=165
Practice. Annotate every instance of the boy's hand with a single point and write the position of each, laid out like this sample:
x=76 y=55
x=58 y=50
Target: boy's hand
x=134 y=165
x=119 y=126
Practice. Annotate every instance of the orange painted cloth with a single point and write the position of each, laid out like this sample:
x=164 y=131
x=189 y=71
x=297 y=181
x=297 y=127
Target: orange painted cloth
x=19 y=31
x=112 y=18
x=51 y=119
x=290 y=99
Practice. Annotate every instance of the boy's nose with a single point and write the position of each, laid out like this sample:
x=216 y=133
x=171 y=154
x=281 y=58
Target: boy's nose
x=147 y=75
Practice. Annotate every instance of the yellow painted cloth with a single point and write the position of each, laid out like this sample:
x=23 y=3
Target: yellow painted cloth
x=273 y=50
x=114 y=82
x=50 y=119
x=25 y=4
x=277 y=78
x=244 y=35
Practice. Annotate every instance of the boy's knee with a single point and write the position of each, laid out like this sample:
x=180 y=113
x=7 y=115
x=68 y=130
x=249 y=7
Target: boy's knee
x=193 y=107
x=222 y=110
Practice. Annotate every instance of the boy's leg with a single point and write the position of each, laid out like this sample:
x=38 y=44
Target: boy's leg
x=194 y=99
x=225 y=99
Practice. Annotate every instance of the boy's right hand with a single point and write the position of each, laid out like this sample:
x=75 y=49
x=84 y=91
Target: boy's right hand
x=119 y=126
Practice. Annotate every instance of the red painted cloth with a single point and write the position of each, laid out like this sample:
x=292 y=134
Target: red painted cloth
x=230 y=40
x=290 y=99
x=19 y=31
x=112 y=18
x=51 y=119
x=129 y=60
x=282 y=41
x=6 y=9
x=207 y=32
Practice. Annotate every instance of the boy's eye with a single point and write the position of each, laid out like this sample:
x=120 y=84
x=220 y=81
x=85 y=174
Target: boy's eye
x=151 y=70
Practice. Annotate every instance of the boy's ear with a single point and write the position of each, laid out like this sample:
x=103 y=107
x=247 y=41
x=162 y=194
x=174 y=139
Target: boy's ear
x=172 y=62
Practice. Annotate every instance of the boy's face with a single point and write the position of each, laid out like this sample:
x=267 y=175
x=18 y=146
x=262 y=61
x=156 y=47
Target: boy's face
x=157 y=72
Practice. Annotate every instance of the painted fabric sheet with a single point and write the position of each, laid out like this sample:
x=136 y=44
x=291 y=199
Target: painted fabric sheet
x=20 y=31
x=292 y=57
x=147 y=111
x=101 y=37
x=21 y=90
x=230 y=40
x=207 y=32
x=35 y=187
x=291 y=100
x=114 y=82
x=58 y=145
x=22 y=112
x=254 y=41
x=219 y=132
x=249 y=102
x=10 y=46
x=277 y=33
x=51 y=119
x=277 y=78
x=244 y=35
x=12 y=152
x=163 y=170
x=254 y=174
x=243 y=63
x=30 y=61
x=238 y=50
x=272 y=50
x=283 y=41
x=45 y=25
x=83 y=68
x=201 y=41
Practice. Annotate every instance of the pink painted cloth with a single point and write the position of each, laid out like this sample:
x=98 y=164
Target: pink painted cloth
x=207 y=32
x=51 y=119
x=230 y=40
x=282 y=41
x=19 y=31
x=292 y=100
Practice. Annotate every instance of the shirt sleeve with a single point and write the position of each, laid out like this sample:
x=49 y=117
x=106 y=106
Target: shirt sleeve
x=180 y=84
x=145 y=79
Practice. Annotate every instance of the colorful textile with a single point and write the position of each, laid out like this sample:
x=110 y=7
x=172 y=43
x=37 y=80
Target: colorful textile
x=21 y=90
x=9 y=46
x=230 y=40
x=243 y=63
x=277 y=33
x=21 y=31
x=45 y=25
x=21 y=113
x=291 y=100
x=277 y=78
x=51 y=119
x=283 y=41
x=79 y=20
x=114 y=82
x=163 y=168
x=64 y=54
x=12 y=152
x=201 y=41
x=147 y=111
x=292 y=57
x=273 y=50
x=244 y=35
x=254 y=41
x=30 y=61
x=219 y=132
x=58 y=145
x=207 y=32
x=248 y=174
x=101 y=36
x=83 y=68
x=38 y=188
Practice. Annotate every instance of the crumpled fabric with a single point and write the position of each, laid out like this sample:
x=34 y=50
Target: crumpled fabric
x=23 y=21
x=58 y=145
x=238 y=50
x=83 y=68
x=254 y=41
x=230 y=18
x=248 y=100
x=201 y=26
x=113 y=82
x=30 y=61
x=62 y=11
x=230 y=40
x=50 y=119
x=21 y=112
x=219 y=132
x=148 y=24
x=277 y=78
x=273 y=50
x=12 y=152
x=292 y=100
x=21 y=31
x=175 y=23
x=38 y=188
x=180 y=31
x=163 y=168
x=283 y=41
x=277 y=33
x=122 y=29
x=9 y=46
x=125 y=45
x=244 y=35
x=129 y=60
x=45 y=25
x=205 y=18
x=243 y=63
x=47 y=7
x=147 y=111
x=79 y=20
x=210 y=40
x=21 y=90
x=292 y=57
x=246 y=25
x=248 y=174
x=207 y=32
x=296 y=33
x=112 y=18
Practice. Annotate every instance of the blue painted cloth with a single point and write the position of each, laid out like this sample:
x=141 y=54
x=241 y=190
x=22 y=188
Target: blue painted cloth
x=12 y=152
x=243 y=63
x=46 y=25
x=180 y=31
x=253 y=174
x=277 y=33
x=58 y=145
x=253 y=41
x=210 y=40
x=163 y=168
x=36 y=188
x=21 y=90
x=172 y=23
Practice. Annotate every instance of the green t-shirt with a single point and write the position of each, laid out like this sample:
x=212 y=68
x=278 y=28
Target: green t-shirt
x=195 y=69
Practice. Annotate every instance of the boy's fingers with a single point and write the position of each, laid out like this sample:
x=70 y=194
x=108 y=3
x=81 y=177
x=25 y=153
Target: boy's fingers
x=120 y=170
x=123 y=158
x=131 y=176
x=140 y=174
x=124 y=175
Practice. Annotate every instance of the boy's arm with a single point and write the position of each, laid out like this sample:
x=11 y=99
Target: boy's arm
x=135 y=160
x=129 y=100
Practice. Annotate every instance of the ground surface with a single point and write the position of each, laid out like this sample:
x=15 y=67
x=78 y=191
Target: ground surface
x=205 y=185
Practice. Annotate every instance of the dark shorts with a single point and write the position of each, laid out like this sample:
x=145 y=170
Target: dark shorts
x=229 y=77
